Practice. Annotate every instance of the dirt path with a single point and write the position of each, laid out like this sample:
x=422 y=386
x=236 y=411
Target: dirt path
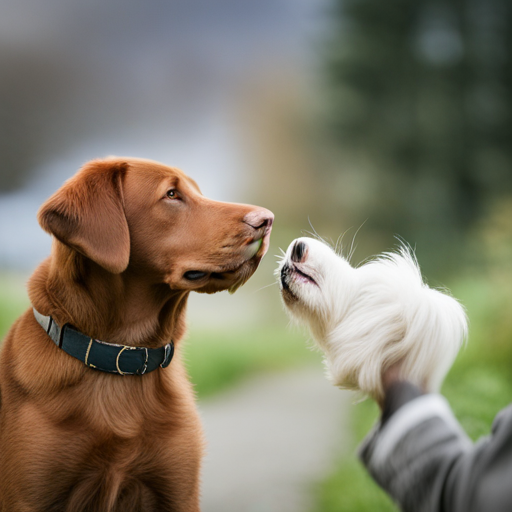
x=270 y=439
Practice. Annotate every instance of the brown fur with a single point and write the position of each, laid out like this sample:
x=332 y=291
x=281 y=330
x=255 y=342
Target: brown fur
x=75 y=439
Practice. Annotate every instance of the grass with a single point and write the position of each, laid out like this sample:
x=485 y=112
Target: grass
x=13 y=300
x=477 y=387
x=217 y=360
x=349 y=488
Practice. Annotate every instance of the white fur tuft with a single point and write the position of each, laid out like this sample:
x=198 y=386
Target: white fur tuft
x=368 y=318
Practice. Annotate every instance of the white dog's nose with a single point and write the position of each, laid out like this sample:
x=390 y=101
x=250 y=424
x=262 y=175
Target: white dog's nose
x=299 y=252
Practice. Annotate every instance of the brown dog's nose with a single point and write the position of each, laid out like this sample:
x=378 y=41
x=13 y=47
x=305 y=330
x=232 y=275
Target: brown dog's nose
x=298 y=252
x=260 y=218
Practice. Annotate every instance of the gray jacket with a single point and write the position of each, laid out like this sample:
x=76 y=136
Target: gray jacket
x=421 y=456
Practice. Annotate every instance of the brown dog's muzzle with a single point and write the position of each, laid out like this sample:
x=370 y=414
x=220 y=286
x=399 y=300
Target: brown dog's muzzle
x=261 y=221
x=234 y=251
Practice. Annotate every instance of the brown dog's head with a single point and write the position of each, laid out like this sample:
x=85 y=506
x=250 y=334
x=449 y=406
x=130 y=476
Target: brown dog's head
x=134 y=215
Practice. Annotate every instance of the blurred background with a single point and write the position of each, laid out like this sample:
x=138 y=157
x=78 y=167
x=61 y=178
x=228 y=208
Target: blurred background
x=344 y=117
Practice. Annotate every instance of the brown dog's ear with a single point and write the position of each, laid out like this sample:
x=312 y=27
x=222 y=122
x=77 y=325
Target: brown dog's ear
x=87 y=214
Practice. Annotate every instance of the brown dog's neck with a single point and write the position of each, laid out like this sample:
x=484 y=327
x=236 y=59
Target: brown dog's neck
x=126 y=308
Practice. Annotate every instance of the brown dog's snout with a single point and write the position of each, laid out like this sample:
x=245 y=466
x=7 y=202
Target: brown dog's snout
x=299 y=252
x=260 y=218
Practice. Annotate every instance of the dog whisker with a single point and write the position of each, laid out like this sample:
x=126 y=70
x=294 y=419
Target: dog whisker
x=266 y=286
x=337 y=247
x=280 y=257
x=352 y=246
x=315 y=234
x=364 y=261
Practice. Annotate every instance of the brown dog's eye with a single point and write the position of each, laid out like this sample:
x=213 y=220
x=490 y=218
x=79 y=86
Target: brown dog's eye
x=173 y=194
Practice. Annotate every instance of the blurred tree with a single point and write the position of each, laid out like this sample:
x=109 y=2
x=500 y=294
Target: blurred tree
x=421 y=102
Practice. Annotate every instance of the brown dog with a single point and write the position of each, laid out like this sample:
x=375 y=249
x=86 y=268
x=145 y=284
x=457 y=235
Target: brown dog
x=132 y=238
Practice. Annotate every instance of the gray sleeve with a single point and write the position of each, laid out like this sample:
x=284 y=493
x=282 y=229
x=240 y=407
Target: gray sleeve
x=481 y=479
x=424 y=460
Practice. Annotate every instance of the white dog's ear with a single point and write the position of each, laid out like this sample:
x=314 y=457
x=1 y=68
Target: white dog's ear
x=436 y=331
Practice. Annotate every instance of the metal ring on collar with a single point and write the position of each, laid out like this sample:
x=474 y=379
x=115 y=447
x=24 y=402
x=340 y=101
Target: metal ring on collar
x=145 y=367
x=117 y=360
x=168 y=355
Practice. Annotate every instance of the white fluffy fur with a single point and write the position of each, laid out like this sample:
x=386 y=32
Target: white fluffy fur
x=368 y=318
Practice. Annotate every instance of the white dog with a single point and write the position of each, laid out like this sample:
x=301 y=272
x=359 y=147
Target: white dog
x=370 y=318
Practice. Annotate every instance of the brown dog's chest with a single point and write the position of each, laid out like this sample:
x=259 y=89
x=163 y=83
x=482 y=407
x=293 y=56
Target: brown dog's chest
x=104 y=443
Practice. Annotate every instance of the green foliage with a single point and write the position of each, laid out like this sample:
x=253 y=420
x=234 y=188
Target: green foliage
x=480 y=382
x=13 y=301
x=350 y=488
x=421 y=110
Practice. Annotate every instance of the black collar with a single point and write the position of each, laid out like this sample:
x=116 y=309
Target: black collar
x=106 y=357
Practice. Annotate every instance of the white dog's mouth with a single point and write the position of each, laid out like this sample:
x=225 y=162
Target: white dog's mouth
x=291 y=273
x=299 y=275
x=296 y=276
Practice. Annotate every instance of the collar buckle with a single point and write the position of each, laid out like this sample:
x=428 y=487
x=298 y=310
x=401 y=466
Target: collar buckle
x=145 y=365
